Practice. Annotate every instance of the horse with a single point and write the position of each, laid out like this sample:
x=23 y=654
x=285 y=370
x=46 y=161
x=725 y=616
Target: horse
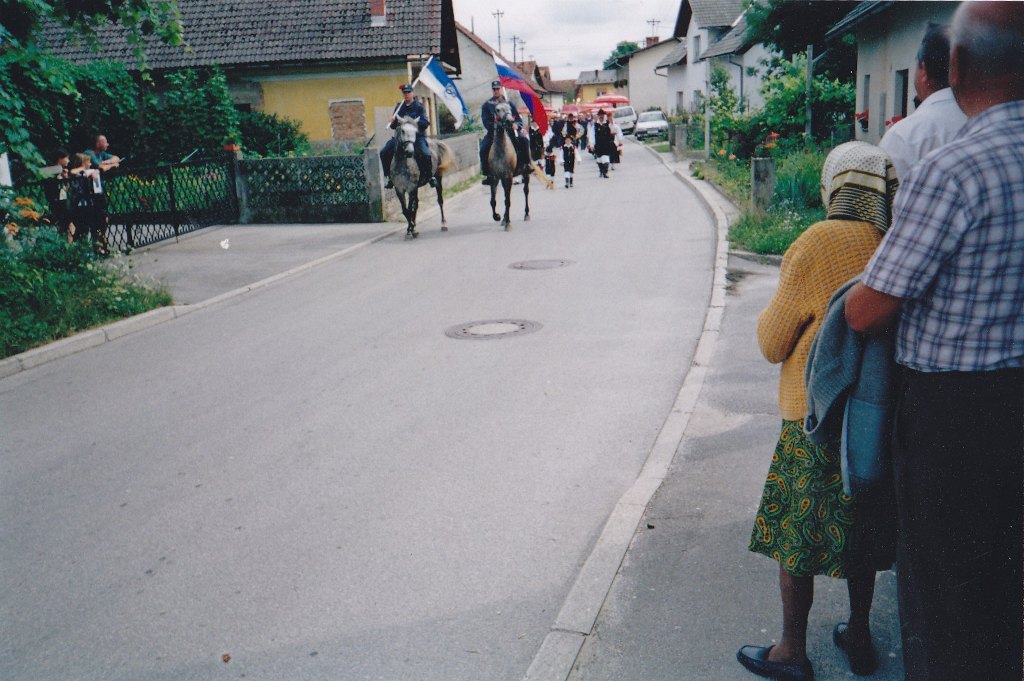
x=503 y=163
x=405 y=172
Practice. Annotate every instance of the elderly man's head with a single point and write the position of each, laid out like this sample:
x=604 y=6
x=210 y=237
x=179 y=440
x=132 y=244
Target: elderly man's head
x=986 y=64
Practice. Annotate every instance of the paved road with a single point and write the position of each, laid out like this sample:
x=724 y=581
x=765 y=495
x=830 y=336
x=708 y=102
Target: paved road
x=314 y=480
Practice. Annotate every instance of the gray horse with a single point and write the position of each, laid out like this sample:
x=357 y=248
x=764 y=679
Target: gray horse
x=405 y=172
x=503 y=163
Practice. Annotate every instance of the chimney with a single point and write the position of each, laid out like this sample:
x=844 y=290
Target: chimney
x=378 y=13
x=652 y=40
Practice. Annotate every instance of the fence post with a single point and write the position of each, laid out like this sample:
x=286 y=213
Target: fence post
x=374 y=189
x=241 y=189
x=762 y=182
x=175 y=219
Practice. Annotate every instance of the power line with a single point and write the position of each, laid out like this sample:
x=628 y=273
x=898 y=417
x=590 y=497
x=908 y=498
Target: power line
x=654 y=25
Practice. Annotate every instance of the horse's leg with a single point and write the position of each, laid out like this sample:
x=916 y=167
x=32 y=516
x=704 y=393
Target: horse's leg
x=405 y=211
x=506 y=184
x=440 y=202
x=414 y=205
x=526 y=195
x=494 y=200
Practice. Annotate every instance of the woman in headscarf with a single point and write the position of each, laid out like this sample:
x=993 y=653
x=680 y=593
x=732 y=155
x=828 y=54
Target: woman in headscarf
x=805 y=521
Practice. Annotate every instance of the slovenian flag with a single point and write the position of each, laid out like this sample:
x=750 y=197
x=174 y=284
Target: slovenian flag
x=434 y=77
x=513 y=81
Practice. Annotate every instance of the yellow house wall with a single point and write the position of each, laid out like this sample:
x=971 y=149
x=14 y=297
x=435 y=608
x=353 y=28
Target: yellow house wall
x=305 y=97
x=589 y=93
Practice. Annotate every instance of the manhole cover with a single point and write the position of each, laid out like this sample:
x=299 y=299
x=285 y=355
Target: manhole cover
x=540 y=264
x=493 y=329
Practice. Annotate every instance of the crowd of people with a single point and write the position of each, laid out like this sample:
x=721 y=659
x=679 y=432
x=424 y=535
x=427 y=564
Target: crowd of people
x=74 y=192
x=912 y=453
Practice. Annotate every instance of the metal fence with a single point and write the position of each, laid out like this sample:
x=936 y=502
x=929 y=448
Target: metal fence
x=146 y=205
x=315 y=189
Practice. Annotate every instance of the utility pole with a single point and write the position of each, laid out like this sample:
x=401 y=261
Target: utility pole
x=515 y=41
x=498 y=14
x=654 y=25
x=522 y=50
x=810 y=79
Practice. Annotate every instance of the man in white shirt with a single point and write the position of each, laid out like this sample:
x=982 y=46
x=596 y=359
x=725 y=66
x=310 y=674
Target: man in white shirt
x=937 y=118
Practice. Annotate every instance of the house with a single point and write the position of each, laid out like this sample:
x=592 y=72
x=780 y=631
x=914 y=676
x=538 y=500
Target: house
x=744 y=62
x=645 y=86
x=478 y=70
x=333 y=65
x=713 y=28
x=592 y=84
x=888 y=37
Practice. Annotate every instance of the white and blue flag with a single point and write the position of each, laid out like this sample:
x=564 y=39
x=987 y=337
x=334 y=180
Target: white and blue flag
x=434 y=77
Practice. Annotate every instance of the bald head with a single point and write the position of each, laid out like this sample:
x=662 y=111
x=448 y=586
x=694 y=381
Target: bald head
x=987 y=54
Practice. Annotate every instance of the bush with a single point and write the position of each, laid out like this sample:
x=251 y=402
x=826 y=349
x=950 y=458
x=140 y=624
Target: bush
x=265 y=134
x=798 y=178
x=53 y=289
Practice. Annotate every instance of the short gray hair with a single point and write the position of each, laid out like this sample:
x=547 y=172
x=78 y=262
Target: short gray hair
x=995 y=49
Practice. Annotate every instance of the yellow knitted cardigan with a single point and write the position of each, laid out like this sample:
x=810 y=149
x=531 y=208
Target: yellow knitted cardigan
x=821 y=260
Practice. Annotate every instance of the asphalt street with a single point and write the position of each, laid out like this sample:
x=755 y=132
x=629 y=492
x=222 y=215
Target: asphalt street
x=314 y=480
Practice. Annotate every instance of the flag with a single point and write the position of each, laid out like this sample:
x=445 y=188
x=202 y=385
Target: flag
x=513 y=81
x=434 y=77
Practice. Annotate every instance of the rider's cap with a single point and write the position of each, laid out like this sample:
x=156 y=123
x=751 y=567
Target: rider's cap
x=407 y=88
x=495 y=84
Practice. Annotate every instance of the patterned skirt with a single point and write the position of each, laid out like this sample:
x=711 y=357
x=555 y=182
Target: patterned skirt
x=805 y=522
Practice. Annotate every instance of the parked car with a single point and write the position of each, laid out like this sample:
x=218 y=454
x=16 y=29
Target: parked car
x=651 y=124
x=625 y=117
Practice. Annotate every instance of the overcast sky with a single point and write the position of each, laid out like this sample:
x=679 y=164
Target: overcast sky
x=568 y=35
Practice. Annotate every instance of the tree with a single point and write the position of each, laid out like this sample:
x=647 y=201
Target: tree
x=621 y=50
x=789 y=26
x=27 y=68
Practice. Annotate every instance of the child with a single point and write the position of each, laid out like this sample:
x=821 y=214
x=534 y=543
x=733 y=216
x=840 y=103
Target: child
x=569 y=159
x=87 y=212
x=549 y=164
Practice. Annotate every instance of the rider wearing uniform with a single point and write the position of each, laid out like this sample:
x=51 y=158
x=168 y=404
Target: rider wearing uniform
x=410 y=107
x=487 y=113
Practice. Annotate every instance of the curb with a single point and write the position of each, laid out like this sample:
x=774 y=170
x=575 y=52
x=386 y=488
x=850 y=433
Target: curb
x=561 y=647
x=91 y=338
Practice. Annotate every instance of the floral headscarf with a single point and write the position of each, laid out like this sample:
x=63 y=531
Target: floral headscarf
x=859 y=182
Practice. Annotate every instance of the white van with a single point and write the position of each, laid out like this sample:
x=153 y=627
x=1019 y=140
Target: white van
x=625 y=118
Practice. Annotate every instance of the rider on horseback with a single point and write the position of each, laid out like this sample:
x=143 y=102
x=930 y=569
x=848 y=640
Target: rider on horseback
x=409 y=107
x=487 y=115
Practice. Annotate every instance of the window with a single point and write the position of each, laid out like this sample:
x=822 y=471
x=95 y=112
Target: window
x=696 y=48
x=899 y=107
x=865 y=101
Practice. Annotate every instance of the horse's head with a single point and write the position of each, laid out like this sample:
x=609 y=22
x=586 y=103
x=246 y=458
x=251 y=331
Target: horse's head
x=405 y=133
x=503 y=113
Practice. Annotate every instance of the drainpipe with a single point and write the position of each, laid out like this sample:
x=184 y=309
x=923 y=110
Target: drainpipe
x=740 y=67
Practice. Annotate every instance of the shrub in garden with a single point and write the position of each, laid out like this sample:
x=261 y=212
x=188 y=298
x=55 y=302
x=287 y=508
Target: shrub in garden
x=53 y=289
x=266 y=134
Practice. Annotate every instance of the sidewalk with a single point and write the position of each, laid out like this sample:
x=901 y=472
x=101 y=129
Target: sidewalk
x=688 y=594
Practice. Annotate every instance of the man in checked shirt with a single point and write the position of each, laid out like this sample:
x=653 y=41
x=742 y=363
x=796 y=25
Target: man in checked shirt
x=950 y=272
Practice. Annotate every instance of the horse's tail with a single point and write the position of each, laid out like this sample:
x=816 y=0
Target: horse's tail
x=445 y=157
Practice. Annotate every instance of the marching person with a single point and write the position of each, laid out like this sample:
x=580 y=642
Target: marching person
x=409 y=107
x=536 y=143
x=569 y=158
x=602 y=141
